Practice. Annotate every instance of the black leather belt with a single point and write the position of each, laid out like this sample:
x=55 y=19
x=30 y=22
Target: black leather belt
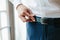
x=47 y=20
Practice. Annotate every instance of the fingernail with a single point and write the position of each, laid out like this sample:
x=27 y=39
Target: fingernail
x=33 y=20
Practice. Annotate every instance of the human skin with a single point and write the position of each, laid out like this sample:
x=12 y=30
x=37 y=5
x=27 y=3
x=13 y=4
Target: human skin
x=25 y=14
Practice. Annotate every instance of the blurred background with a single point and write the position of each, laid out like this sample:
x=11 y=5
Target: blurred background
x=11 y=27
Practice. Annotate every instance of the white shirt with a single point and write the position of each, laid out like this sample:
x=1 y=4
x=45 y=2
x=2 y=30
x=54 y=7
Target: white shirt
x=42 y=8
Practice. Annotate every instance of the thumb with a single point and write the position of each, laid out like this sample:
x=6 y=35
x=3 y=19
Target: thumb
x=32 y=17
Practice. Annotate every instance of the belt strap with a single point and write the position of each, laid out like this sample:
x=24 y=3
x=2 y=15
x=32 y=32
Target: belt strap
x=47 y=20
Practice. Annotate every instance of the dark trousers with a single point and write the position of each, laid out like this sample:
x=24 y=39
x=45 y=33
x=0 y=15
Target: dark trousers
x=49 y=31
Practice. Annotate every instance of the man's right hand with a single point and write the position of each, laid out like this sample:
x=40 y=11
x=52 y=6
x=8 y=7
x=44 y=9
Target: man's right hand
x=25 y=14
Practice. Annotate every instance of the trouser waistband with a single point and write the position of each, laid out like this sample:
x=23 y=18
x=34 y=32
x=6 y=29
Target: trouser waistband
x=47 y=20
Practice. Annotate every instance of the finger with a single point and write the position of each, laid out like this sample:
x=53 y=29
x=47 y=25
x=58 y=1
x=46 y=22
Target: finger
x=26 y=20
x=27 y=14
x=30 y=15
x=29 y=20
x=30 y=12
x=23 y=18
x=32 y=18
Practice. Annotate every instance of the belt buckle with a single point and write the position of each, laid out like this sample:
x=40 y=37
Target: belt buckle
x=42 y=20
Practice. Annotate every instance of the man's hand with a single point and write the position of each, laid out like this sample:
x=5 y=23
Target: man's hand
x=26 y=14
